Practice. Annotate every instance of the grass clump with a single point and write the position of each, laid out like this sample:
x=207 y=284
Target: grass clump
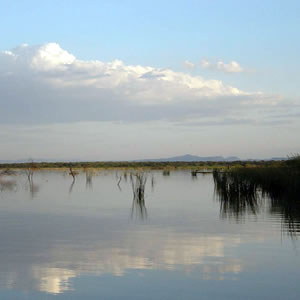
x=240 y=190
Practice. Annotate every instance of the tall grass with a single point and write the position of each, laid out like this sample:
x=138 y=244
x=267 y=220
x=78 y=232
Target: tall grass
x=236 y=194
x=240 y=191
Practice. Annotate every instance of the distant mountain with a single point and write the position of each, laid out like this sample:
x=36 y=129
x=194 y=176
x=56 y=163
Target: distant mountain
x=189 y=158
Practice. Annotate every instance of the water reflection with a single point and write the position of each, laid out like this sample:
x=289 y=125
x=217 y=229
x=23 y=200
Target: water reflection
x=33 y=188
x=125 y=176
x=71 y=186
x=8 y=172
x=46 y=244
x=166 y=172
x=119 y=178
x=289 y=210
x=238 y=198
x=89 y=179
x=119 y=181
x=29 y=172
x=152 y=183
x=138 y=183
x=53 y=280
x=7 y=184
x=73 y=173
x=51 y=264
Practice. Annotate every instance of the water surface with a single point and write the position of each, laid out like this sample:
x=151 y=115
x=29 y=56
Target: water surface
x=91 y=239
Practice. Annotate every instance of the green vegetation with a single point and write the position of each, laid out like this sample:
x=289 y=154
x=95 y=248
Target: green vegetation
x=140 y=165
x=276 y=180
x=240 y=186
x=240 y=190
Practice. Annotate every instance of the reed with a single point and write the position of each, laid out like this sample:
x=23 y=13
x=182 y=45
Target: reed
x=237 y=196
x=240 y=191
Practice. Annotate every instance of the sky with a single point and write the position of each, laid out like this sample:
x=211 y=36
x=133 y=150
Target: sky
x=124 y=80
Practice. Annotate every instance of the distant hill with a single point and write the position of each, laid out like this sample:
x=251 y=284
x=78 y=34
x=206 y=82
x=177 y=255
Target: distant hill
x=189 y=158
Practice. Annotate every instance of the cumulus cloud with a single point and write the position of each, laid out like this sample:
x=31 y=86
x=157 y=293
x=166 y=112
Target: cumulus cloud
x=188 y=64
x=231 y=67
x=47 y=84
x=51 y=63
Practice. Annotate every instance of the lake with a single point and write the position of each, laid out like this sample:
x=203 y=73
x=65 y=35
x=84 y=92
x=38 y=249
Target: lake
x=98 y=237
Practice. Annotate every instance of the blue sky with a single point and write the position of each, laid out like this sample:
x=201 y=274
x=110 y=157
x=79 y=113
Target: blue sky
x=261 y=37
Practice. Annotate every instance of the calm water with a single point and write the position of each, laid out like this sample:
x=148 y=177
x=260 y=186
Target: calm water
x=91 y=239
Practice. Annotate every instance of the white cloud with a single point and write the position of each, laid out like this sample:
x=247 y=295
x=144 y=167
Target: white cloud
x=142 y=84
x=231 y=67
x=47 y=84
x=189 y=65
x=42 y=86
x=51 y=56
